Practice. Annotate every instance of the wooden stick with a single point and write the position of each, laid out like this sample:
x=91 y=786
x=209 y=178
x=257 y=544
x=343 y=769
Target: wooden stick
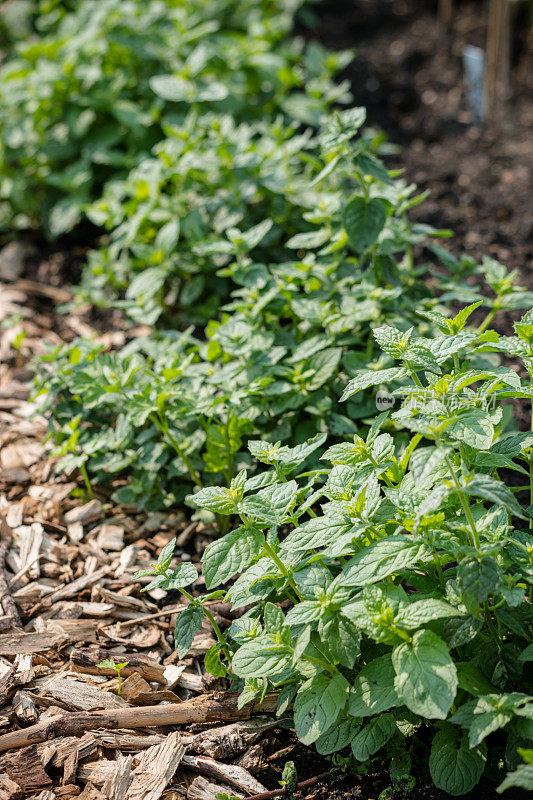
x=20 y=574
x=446 y=12
x=298 y=787
x=210 y=708
x=498 y=29
x=146 y=617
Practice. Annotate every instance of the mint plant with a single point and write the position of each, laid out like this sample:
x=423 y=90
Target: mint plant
x=170 y=412
x=86 y=100
x=388 y=595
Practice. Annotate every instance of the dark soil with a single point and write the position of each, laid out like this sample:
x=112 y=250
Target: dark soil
x=408 y=73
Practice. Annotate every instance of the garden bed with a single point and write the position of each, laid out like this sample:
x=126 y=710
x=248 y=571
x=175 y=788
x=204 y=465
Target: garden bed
x=407 y=73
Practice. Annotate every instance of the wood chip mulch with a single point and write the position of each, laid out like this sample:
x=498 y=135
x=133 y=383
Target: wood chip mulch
x=69 y=601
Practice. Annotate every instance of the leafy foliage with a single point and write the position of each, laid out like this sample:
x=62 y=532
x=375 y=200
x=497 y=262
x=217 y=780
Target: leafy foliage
x=87 y=100
x=169 y=409
x=405 y=600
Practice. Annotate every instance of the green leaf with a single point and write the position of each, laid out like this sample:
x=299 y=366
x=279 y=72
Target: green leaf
x=309 y=240
x=171 y=87
x=455 y=767
x=337 y=737
x=370 y=165
x=342 y=636
x=384 y=558
x=373 y=690
x=233 y=553
x=316 y=532
x=496 y=492
x=422 y=611
x=184 y=574
x=478 y=577
x=213 y=663
x=324 y=366
x=260 y=510
x=471 y=679
x=473 y=427
x=167 y=236
x=372 y=378
x=483 y=716
x=513 y=444
x=392 y=341
x=261 y=658
x=527 y=654
x=426 y=677
x=318 y=704
x=363 y=221
x=188 y=623
x=373 y=736
x=522 y=778
x=165 y=556
x=461 y=630
x=217 y=499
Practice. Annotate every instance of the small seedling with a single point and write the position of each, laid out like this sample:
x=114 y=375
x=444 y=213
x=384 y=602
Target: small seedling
x=289 y=779
x=108 y=663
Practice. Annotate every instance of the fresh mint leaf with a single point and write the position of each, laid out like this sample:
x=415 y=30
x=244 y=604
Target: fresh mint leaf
x=454 y=766
x=373 y=736
x=426 y=677
x=318 y=704
x=188 y=623
x=386 y=557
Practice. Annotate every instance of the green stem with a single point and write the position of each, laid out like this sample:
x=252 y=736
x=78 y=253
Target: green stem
x=438 y=565
x=331 y=668
x=413 y=444
x=409 y=261
x=162 y=427
x=212 y=620
x=229 y=472
x=492 y=629
x=85 y=476
x=269 y=550
x=364 y=187
x=466 y=506
x=415 y=378
x=488 y=319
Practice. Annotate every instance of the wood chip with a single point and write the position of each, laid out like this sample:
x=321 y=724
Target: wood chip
x=24 y=708
x=116 y=785
x=202 y=789
x=110 y=537
x=228 y=773
x=25 y=768
x=89 y=512
x=9 y=788
x=227 y=741
x=138 y=692
x=11 y=644
x=201 y=709
x=155 y=770
x=82 y=696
